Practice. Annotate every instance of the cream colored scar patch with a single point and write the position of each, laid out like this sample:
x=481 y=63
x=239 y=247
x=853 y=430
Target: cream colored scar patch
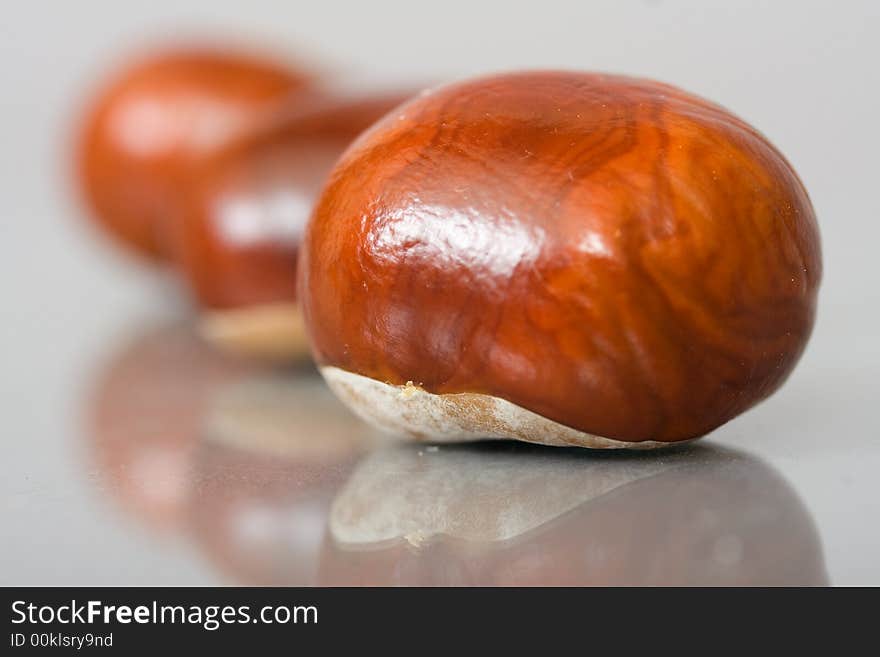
x=447 y=418
x=270 y=331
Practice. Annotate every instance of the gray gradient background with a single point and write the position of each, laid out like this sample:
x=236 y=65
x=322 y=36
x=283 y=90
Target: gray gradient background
x=804 y=73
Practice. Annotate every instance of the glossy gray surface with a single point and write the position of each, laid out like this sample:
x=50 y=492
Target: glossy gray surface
x=135 y=456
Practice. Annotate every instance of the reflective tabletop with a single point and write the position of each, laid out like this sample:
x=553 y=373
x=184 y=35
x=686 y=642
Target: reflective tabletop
x=189 y=467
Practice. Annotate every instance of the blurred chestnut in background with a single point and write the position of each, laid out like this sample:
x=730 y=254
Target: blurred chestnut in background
x=143 y=130
x=517 y=515
x=563 y=258
x=245 y=213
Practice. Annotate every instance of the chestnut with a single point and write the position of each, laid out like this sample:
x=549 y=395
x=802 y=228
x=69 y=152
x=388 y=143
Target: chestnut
x=562 y=258
x=245 y=211
x=143 y=130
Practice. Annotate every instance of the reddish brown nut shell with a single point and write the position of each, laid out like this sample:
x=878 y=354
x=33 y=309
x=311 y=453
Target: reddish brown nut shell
x=616 y=256
x=143 y=131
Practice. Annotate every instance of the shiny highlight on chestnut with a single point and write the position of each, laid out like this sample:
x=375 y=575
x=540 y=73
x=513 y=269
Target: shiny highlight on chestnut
x=615 y=256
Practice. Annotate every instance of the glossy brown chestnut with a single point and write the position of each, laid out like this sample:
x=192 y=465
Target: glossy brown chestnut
x=141 y=134
x=245 y=213
x=559 y=257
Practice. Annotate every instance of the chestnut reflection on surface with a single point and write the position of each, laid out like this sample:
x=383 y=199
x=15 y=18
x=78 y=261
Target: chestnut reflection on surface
x=243 y=461
x=141 y=134
x=276 y=451
x=518 y=515
x=560 y=257
x=144 y=420
x=245 y=213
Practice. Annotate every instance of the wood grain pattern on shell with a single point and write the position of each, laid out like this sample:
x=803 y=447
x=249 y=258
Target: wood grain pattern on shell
x=613 y=255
